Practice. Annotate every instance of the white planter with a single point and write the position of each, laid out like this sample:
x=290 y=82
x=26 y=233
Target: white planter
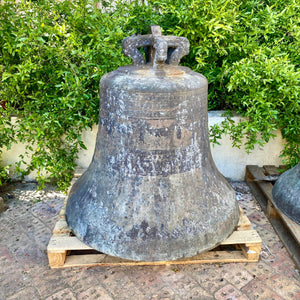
x=232 y=161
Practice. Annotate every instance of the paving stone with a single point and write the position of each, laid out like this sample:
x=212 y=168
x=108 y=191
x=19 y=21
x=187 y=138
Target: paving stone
x=8 y=264
x=17 y=242
x=43 y=210
x=94 y=293
x=117 y=283
x=23 y=228
x=236 y=275
x=55 y=200
x=5 y=256
x=79 y=281
x=269 y=227
x=163 y=293
x=25 y=251
x=31 y=255
x=260 y=271
x=195 y=292
x=17 y=209
x=258 y=218
x=246 y=209
x=65 y=294
x=184 y=286
x=246 y=201
x=28 y=293
x=209 y=278
x=177 y=278
x=49 y=282
x=50 y=222
x=128 y=290
x=257 y=290
x=7 y=226
x=282 y=262
x=147 y=281
x=269 y=237
x=35 y=230
x=229 y=292
x=287 y=288
x=12 y=282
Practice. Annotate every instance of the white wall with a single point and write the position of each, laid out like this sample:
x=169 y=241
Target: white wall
x=230 y=161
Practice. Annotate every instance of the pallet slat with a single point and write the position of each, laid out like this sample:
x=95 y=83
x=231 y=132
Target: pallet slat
x=60 y=243
x=294 y=227
x=105 y=260
x=241 y=237
x=272 y=170
x=244 y=223
x=287 y=229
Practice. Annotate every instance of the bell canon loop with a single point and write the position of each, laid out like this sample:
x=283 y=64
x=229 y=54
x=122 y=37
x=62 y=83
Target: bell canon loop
x=152 y=191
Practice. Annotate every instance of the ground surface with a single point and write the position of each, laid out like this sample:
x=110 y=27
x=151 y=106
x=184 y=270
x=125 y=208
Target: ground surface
x=25 y=229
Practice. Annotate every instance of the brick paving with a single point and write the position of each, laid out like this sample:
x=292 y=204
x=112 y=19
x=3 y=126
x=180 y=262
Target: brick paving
x=26 y=226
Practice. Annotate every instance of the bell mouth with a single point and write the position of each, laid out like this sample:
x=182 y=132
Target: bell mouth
x=148 y=70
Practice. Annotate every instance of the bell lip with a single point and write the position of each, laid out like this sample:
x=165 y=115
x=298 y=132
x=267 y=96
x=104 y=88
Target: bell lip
x=150 y=258
x=232 y=218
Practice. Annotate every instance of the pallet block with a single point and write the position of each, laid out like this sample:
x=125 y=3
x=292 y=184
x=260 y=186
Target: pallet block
x=287 y=230
x=66 y=250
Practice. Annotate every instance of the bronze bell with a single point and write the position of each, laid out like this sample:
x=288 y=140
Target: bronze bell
x=286 y=193
x=152 y=191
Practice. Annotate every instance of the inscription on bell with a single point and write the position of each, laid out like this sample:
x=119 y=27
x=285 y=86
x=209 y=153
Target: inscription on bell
x=155 y=163
x=141 y=105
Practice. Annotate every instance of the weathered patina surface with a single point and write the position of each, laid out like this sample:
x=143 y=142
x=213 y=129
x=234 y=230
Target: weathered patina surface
x=152 y=191
x=286 y=193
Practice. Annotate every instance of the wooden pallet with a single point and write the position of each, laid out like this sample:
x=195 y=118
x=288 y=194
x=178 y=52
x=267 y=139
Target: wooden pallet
x=287 y=230
x=66 y=250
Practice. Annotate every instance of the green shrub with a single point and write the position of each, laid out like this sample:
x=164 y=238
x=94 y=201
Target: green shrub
x=4 y=175
x=53 y=54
